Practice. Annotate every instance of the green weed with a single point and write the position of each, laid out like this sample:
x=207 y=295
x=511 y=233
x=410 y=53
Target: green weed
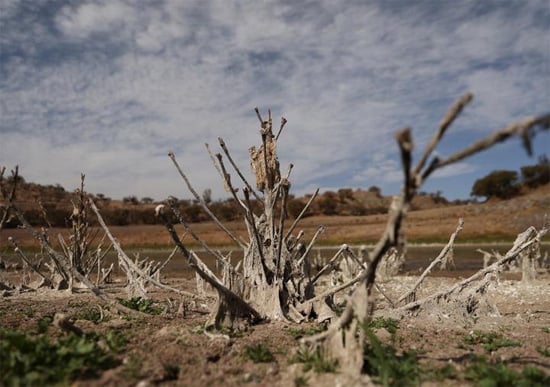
x=91 y=314
x=36 y=360
x=44 y=324
x=382 y=362
x=491 y=341
x=390 y=324
x=484 y=373
x=115 y=341
x=440 y=374
x=314 y=360
x=544 y=351
x=259 y=353
x=143 y=305
x=388 y=368
x=298 y=333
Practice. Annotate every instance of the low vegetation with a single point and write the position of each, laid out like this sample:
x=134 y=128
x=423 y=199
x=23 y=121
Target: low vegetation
x=42 y=360
x=298 y=333
x=386 y=366
x=314 y=360
x=491 y=341
x=259 y=353
x=144 y=305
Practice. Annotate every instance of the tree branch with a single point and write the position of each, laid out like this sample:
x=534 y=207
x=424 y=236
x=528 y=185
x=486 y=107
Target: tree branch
x=203 y=204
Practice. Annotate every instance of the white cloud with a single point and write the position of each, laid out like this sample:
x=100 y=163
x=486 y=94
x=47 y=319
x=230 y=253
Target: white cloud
x=95 y=17
x=119 y=83
x=454 y=170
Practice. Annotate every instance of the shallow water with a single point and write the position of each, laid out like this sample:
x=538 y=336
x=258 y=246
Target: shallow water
x=467 y=260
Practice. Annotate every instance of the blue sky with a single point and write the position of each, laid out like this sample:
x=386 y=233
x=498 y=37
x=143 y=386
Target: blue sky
x=108 y=87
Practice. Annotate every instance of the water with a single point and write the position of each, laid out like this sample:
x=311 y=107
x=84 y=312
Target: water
x=467 y=260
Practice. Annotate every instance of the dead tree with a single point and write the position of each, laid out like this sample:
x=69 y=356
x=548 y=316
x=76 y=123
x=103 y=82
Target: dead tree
x=138 y=273
x=76 y=254
x=442 y=259
x=8 y=194
x=465 y=297
x=273 y=281
x=344 y=340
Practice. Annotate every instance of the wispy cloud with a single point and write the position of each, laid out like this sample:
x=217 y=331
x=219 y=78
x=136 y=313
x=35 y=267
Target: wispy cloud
x=108 y=87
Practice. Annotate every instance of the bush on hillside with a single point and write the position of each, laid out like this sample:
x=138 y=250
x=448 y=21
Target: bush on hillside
x=536 y=175
x=500 y=184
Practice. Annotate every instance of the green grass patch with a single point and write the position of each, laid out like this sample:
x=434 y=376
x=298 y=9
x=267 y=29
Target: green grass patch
x=90 y=314
x=140 y=304
x=259 y=353
x=386 y=366
x=389 y=324
x=448 y=372
x=491 y=341
x=43 y=324
x=28 y=360
x=484 y=373
x=314 y=360
x=298 y=333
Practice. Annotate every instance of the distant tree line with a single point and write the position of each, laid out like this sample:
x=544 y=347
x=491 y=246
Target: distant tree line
x=505 y=184
x=51 y=204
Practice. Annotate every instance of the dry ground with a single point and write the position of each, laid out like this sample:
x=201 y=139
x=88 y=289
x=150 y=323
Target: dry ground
x=158 y=342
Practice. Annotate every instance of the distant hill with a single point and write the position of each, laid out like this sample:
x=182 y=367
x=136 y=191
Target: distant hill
x=55 y=202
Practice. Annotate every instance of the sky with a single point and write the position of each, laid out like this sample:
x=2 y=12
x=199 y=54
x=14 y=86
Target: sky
x=107 y=88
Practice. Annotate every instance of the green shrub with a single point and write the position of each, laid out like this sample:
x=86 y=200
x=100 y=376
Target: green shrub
x=36 y=360
x=386 y=367
x=390 y=324
x=143 y=305
x=298 y=333
x=314 y=360
x=90 y=314
x=491 y=341
x=538 y=174
x=500 y=184
x=485 y=373
x=259 y=353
